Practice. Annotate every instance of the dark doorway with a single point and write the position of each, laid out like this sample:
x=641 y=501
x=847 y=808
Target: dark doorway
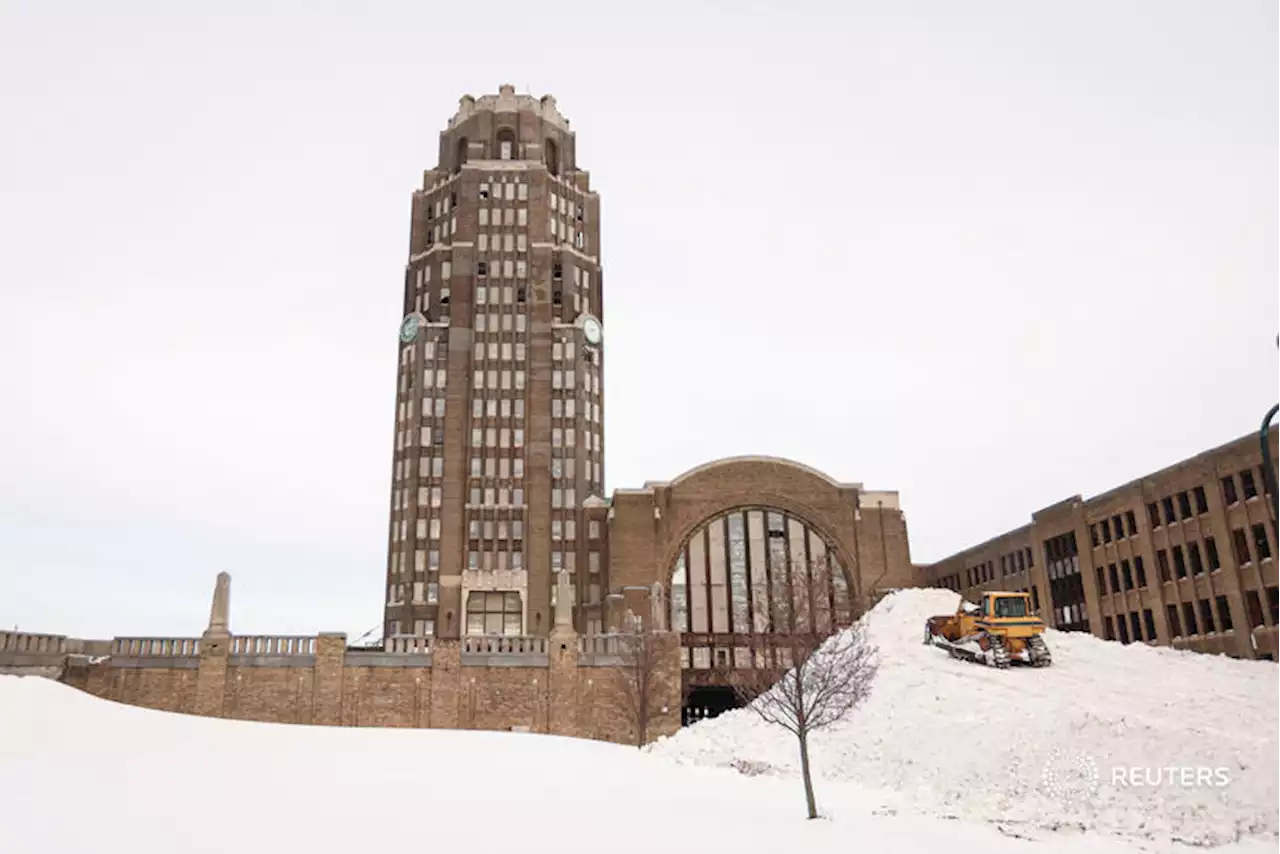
x=707 y=701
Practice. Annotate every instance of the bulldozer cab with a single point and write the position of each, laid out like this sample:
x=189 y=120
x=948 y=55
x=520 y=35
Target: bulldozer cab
x=1006 y=605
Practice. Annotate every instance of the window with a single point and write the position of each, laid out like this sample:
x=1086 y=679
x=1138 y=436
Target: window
x=1260 y=543
x=1135 y=625
x=1184 y=505
x=1167 y=505
x=1241 y=543
x=1140 y=570
x=1253 y=604
x=1206 y=616
x=1229 y=490
x=506 y=144
x=1247 y=484
x=1171 y=616
x=1179 y=562
x=1211 y=552
x=1202 y=501
x=1189 y=618
x=1115 y=579
x=1149 y=620
x=1109 y=632
x=1123 y=627
x=494 y=613
x=1132 y=522
x=1193 y=552
x=1224 y=613
x=1127 y=573
x=1153 y=514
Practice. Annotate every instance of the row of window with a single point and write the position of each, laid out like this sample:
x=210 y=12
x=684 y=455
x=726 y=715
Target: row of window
x=497 y=407
x=1117 y=527
x=503 y=467
x=517 y=217
x=1123 y=575
x=421 y=629
x=497 y=437
x=512 y=191
x=1135 y=623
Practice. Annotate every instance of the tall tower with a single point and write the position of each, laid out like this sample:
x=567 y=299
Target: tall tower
x=499 y=409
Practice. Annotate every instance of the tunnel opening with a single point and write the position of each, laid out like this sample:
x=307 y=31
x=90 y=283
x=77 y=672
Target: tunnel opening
x=702 y=702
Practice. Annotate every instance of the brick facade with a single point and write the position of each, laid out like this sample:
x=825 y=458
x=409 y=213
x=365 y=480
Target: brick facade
x=1195 y=538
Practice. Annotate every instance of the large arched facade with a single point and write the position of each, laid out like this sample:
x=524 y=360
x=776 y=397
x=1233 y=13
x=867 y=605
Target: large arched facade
x=742 y=554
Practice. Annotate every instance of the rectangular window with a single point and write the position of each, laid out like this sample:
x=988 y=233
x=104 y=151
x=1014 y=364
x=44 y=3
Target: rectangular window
x=1261 y=545
x=1171 y=616
x=1115 y=578
x=1224 y=614
x=1202 y=501
x=1132 y=522
x=1253 y=604
x=1241 y=543
x=1127 y=573
x=1179 y=562
x=1153 y=514
x=1193 y=552
x=1184 y=505
x=1109 y=632
x=1140 y=570
x=1123 y=627
x=1229 y=490
x=1206 y=616
x=1248 y=485
x=1166 y=504
x=1189 y=618
x=1149 y=620
x=1135 y=626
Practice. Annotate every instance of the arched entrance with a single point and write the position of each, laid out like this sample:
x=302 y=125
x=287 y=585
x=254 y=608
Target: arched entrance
x=744 y=585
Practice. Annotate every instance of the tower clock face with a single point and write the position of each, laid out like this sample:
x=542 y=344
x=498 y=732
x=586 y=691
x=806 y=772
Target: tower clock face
x=409 y=328
x=591 y=330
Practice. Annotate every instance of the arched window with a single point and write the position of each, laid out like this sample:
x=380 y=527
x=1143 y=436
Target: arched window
x=756 y=571
x=506 y=144
x=552 y=156
x=461 y=157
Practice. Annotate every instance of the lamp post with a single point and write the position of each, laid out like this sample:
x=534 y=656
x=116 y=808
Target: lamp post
x=1268 y=464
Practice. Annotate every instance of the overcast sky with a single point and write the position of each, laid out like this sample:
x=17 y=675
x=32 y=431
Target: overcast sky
x=986 y=254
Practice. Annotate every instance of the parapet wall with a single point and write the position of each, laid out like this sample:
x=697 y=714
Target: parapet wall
x=564 y=684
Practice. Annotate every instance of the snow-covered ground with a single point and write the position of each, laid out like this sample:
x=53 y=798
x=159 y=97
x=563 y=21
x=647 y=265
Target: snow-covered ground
x=947 y=755
x=1018 y=748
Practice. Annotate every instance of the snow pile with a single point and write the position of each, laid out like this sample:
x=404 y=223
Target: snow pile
x=1019 y=747
x=79 y=774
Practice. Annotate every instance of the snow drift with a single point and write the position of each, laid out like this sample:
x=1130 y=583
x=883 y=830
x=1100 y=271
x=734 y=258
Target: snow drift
x=81 y=774
x=1021 y=747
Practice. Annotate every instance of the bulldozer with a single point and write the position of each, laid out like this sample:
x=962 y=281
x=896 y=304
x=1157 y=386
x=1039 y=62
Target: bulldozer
x=998 y=630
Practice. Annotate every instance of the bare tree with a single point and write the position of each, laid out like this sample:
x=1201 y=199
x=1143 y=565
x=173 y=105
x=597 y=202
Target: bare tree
x=801 y=679
x=641 y=678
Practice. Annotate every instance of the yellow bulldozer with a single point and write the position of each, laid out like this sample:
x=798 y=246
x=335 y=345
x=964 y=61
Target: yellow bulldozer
x=998 y=630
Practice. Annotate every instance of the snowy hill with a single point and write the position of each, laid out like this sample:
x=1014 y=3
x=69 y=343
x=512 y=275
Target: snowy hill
x=948 y=738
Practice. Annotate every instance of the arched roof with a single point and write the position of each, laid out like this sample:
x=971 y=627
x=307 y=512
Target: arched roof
x=728 y=461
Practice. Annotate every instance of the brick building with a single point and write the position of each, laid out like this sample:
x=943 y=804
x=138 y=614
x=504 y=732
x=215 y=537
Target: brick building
x=498 y=468
x=1184 y=556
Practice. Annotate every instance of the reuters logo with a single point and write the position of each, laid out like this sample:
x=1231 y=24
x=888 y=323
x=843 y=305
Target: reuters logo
x=1070 y=777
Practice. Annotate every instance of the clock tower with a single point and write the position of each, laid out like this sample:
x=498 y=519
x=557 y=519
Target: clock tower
x=499 y=435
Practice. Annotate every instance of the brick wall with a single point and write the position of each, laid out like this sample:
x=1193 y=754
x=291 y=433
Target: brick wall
x=554 y=690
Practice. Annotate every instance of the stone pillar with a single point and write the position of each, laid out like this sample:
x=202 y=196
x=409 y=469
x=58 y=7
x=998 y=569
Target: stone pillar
x=562 y=665
x=446 y=674
x=215 y=650
x=326 y=687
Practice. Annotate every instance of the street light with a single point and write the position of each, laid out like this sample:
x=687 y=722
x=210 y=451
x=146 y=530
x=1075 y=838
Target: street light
x=1268 y=464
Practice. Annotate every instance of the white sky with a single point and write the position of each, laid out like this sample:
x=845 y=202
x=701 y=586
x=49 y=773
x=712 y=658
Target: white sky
x=987 y=254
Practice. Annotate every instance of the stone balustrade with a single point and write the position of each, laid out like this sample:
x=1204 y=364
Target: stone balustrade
x=602 y=650
x=155 y=647
x=409 y=645
x=504 y=651
x=32 y=643
x=273 y=645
